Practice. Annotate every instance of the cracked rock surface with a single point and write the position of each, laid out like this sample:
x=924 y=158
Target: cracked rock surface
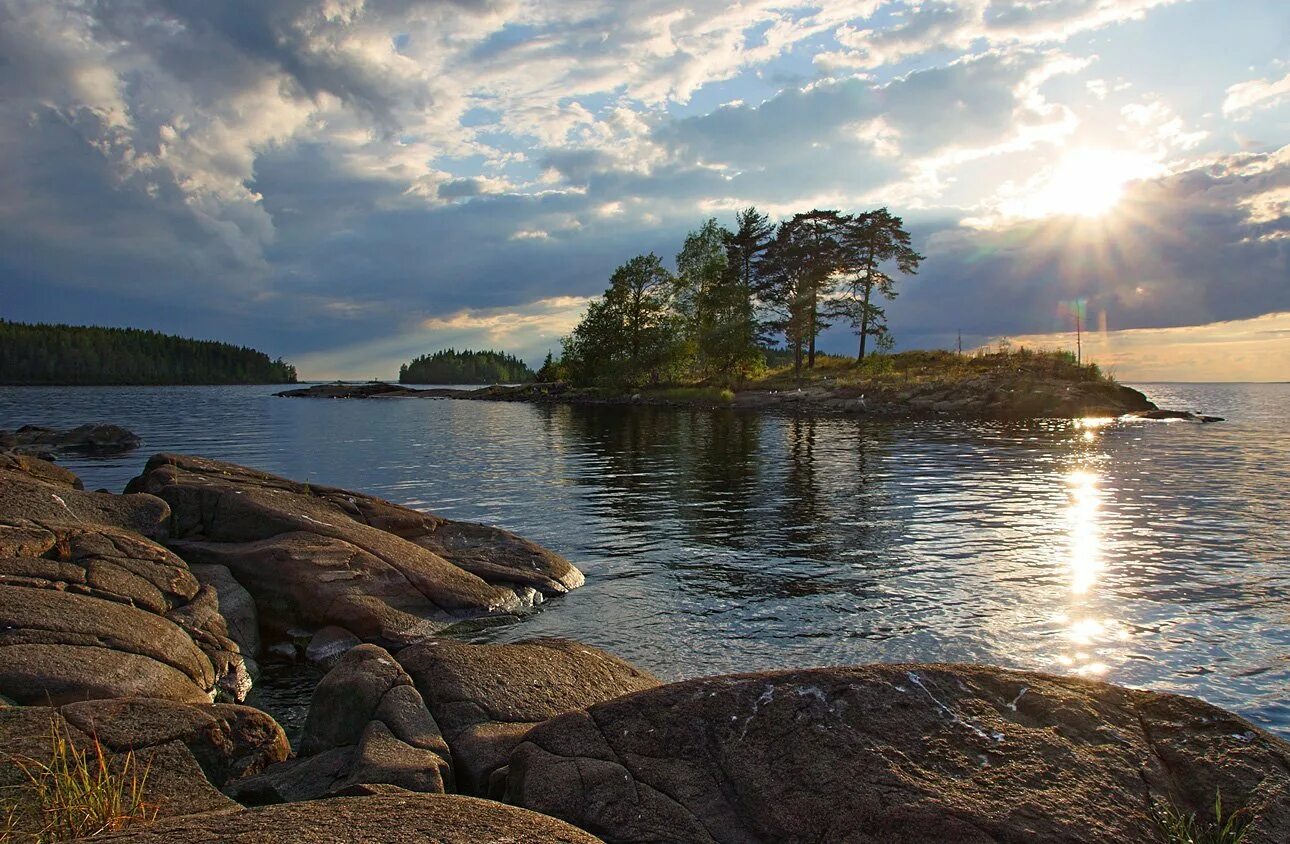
x=314 y=556
x=390 y=818
x=897 y=753
x=486 y=697
x=92 y=608
x=367 y=725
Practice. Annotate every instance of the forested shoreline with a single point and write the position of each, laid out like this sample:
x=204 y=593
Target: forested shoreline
x=449 y=366
x=47 y=354
x=734 y=295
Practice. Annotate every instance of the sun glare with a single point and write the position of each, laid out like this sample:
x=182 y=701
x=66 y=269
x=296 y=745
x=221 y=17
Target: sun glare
x=1085 y=183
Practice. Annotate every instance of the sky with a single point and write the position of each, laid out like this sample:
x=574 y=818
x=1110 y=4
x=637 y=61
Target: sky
x=352 y=183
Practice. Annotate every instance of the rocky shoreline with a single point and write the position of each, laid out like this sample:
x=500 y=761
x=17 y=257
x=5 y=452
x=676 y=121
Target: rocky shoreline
x=986 y=397
x=138 y=621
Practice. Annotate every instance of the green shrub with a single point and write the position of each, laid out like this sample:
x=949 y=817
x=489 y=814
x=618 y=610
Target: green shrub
x=1177 y=828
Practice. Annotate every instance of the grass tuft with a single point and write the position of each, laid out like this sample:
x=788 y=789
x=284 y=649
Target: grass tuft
x=1177 y=828
x=75 y=793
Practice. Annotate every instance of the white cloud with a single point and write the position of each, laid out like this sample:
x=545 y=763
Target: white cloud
x=1256 y=94
x=959 y=25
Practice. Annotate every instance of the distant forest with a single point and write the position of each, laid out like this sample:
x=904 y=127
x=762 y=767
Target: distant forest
x=87 y=355
x=466 y=367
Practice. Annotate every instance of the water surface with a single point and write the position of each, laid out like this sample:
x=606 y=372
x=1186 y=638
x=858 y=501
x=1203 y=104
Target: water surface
x=1151 y=554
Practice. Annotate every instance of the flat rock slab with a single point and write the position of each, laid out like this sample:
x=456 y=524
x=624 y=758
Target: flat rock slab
x=392 y=818
x=897 y=753
x=90 y=607
x=316 y=556
x=486 y=697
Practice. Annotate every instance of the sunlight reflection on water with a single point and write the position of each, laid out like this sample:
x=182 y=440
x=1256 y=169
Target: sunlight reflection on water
x=1152 y=554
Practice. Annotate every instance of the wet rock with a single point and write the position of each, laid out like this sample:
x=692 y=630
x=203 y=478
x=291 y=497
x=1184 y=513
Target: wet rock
x=90 y=608
x=328 y=645
x=899 y=753
x=95 y=439
x=486 y=697
x=392 y=818
x=283 y=652
x=316 y=556
x=189 y=751
x=368 y=390
x=367 y=725
x=1185 y=415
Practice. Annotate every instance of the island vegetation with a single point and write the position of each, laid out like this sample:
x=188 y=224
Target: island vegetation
x=450 y=366
x=44 y=354
x=733 y=293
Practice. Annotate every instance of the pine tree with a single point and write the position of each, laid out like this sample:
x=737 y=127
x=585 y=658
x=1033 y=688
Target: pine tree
x=871 y=240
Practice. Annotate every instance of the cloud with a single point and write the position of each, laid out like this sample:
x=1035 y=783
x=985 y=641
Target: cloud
x=308 y=174
x=961 y=25
x=1256 y=94
x=528 y=331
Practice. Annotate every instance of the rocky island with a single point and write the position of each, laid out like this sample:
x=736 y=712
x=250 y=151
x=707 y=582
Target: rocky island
x=132 y=626
x=914 y=385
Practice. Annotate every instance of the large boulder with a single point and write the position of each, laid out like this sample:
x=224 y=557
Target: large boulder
x=897 y=753
x=235 y=604
x=42 y=470
x=314 y=556
x=91 y=608
x=391 y=818
x=189 y=752
x=486 y=697
x=367 y=725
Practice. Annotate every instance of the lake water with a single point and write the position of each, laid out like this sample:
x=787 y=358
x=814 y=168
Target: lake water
x=1150 y=554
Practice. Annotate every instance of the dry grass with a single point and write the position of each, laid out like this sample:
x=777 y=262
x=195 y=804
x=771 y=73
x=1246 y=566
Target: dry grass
x=918 y=367
x=75 y=793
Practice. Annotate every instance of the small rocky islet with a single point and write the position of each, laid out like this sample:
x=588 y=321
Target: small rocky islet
x=138 y=620
x=986 y=397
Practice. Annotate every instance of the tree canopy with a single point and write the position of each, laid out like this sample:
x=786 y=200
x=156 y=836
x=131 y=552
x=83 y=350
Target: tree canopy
x=90 y=355
x=450 y=366
x=735 y=292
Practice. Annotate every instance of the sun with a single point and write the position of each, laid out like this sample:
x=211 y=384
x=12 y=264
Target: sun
x=1084 y=183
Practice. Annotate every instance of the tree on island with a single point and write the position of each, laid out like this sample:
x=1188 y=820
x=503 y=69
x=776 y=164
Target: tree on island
x=734 y=292
x=629 y=336
x=449 y=366
x=713 y=298
x=870 y=240
x=802 y=266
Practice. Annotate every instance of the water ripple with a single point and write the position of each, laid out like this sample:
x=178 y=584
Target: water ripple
x=1155 y=555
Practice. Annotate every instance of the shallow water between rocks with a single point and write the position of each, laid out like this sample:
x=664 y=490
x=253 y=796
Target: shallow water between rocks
x=1151 y=554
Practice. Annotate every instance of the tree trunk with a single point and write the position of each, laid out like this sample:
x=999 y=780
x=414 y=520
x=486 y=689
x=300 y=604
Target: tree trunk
x=810 y=361
x=864 y=321
x=868 y=291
